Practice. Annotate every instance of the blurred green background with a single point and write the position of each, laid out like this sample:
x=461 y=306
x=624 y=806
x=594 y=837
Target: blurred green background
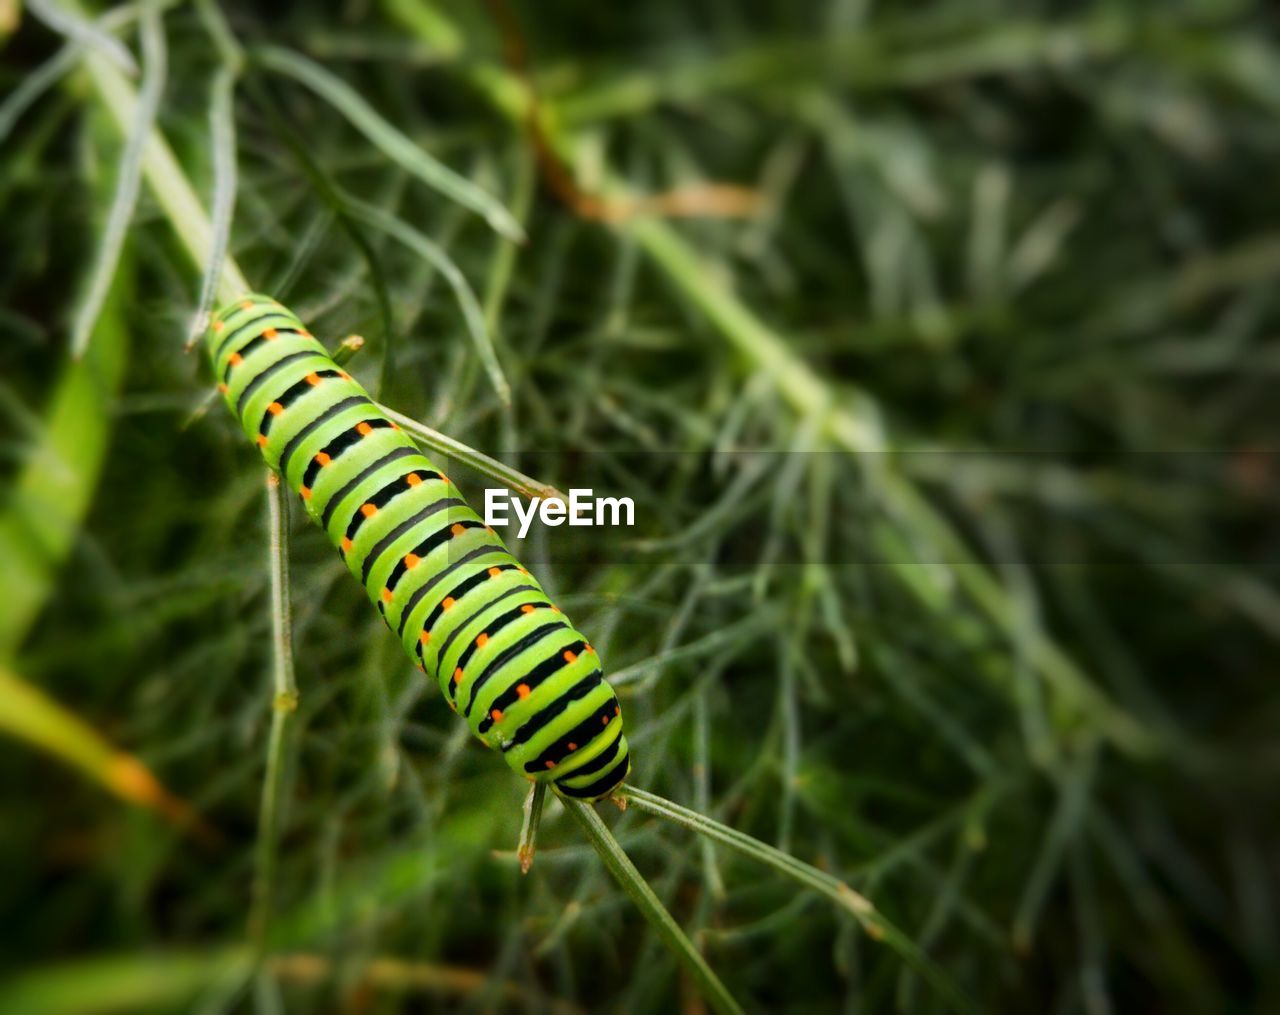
x=1003 y=656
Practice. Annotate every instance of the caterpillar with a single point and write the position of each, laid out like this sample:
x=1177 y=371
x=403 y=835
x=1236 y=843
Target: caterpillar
x=528 y=684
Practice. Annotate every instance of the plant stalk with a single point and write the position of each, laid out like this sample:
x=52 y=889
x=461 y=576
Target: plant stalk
x=165 y=178
x=284 y=705
x=624 y=872
x=871 y=919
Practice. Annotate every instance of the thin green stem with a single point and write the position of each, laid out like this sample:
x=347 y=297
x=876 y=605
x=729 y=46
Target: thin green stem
x=327 y=190
x=393 y=144
x=1063 y=831
x=35 y=83
x=625 y=873
x=648 y=671
x=424 y=247
x=702 y=785
x=222 y=134
x=79 y=29
x=124 y=200
x=283 y=679
x=284 y=704
x=502 y=265
x=872 y=920
x=222 y=130
x=455 y=450
x=165 y=177
x=820 y=881
x=215 y=23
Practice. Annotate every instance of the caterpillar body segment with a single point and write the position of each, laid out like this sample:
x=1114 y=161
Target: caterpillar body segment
x=467 y=613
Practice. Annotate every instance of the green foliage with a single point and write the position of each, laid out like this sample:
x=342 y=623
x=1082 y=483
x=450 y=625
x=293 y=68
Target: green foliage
x=955 y=577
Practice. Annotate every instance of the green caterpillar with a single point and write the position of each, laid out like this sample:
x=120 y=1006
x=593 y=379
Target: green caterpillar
x=504 y=656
